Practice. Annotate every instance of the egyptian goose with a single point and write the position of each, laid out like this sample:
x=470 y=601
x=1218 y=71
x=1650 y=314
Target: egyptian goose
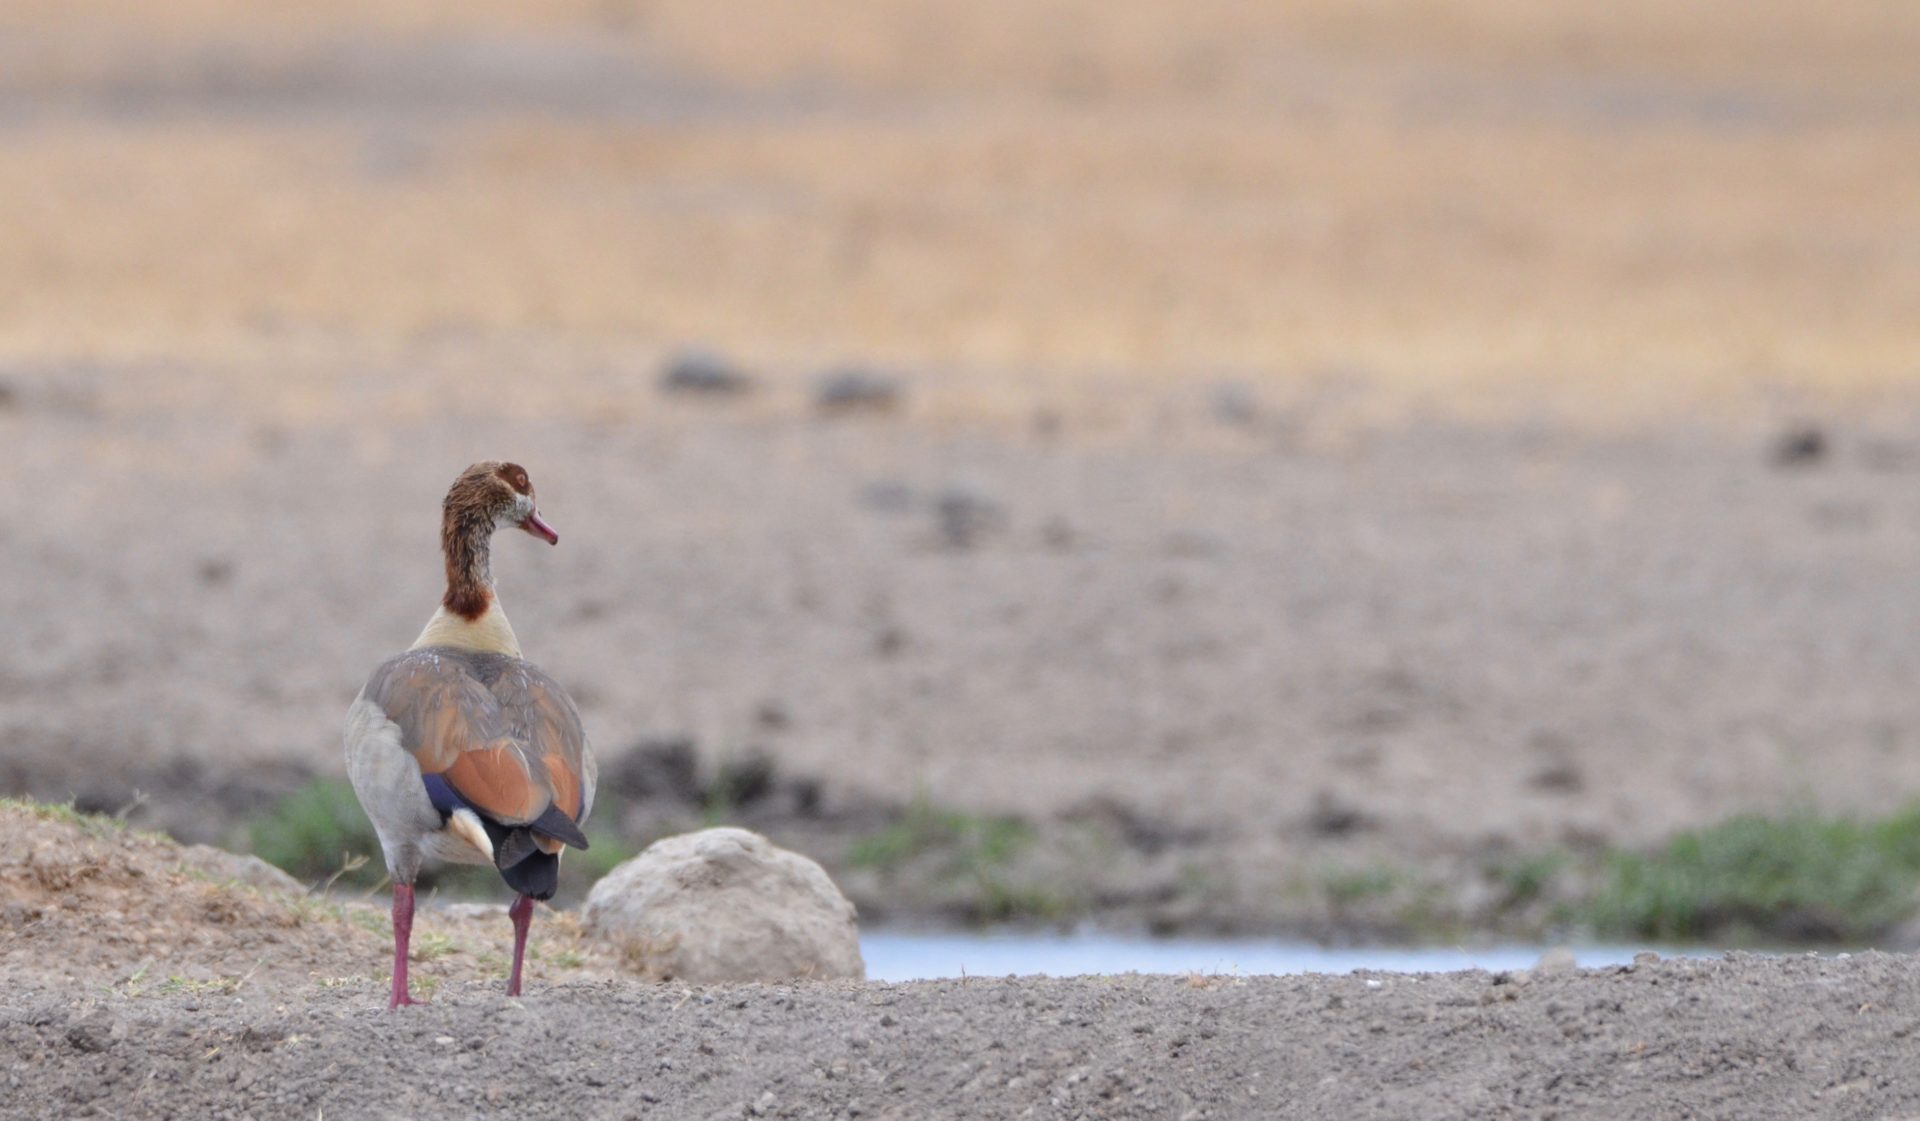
x=461 y=751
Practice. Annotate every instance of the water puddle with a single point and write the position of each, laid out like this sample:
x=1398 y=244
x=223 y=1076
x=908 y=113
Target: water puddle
x=894 y=956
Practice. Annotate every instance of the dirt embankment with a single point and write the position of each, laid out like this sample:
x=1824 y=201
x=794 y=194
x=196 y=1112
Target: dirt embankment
x=136 y=987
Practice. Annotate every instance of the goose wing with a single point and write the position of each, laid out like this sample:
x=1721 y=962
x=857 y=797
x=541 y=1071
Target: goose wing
x=497 y=733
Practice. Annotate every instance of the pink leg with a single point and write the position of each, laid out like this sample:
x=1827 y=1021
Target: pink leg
x=522 y=915
x=402 y=935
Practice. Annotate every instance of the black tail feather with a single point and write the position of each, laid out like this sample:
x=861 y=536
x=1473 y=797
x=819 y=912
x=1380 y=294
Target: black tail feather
x=519 y=859
x=512 y=848
x=538 y=875
x=556 y=824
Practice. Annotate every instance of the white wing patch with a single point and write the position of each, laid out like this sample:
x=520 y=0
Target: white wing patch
x=466 y=824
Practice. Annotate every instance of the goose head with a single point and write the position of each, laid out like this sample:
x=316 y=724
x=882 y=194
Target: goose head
x=491 y=494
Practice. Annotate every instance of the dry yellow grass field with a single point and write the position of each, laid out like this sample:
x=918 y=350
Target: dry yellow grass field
x=1627 y=209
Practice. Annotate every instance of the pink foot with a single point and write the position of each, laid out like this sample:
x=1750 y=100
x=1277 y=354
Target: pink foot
x=522 y=915
x=402 y=935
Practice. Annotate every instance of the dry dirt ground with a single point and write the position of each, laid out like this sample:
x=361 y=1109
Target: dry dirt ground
x=1254 y=651
x=1745 y=1038
x=134 y=989
x=1330 y=434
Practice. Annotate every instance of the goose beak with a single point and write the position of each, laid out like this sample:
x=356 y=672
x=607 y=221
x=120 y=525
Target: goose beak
x=538 y=526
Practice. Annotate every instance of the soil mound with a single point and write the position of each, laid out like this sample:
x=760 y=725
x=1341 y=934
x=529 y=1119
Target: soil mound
x=88 y=901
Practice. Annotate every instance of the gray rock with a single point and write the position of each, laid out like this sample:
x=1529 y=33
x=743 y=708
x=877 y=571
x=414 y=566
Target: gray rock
x=965 y=516
x=1233 y=402
x=1801 y=445
x=857 y=390
x=219 y=864
x=1557 y=960
x=1558 y=776
x=1334 y=814
x=722 y=905
x=95 y=1031
x=699 y=372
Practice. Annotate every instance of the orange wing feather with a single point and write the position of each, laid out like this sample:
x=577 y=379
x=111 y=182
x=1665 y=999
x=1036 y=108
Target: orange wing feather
x=500 y=731
x=496 y=781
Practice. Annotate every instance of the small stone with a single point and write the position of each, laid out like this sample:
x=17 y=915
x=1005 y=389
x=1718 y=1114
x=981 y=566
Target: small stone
x=697 y=372
x=853 y=389
x=772 y=716
x=965 y=516
x=889 y=642
x=1646 y=957
x=214 y=571
x=444 y=1040
x=763 y=1104
x=1233 y=402
x=1333 y=815
x=1802 y=445
x=1559 y=776
x=94 y=1032
x=1557 y=960
x=18 y=914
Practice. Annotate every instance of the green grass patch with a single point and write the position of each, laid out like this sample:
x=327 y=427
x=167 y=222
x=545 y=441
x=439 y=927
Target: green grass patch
x=1345 y=886
x=184 y=985
x=315 y=831
x=93 y=825
x=566 y=959
x=1802 y=877
x=1529 y=877
x=969 y=840
x=430 y=944
x=980 y=858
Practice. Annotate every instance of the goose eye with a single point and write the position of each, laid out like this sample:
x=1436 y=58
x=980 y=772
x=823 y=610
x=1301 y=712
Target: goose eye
x=515 y=476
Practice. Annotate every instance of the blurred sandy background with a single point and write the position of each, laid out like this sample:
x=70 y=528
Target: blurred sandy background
x=1321 y=425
